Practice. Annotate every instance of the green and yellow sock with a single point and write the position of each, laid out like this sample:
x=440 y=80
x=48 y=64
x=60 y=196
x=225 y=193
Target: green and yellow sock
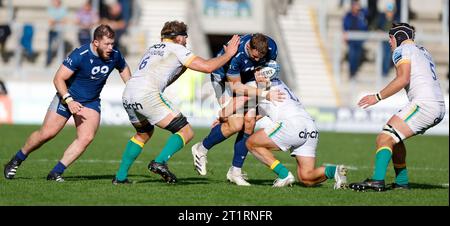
x=382 y=159
x=330 y=170
x=132 y=151
x=401 y=174
x=279 y=169
x=173 y=145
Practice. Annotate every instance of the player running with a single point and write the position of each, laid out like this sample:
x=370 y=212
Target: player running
x=146 y=104
x=78 y=81
x=426 y=108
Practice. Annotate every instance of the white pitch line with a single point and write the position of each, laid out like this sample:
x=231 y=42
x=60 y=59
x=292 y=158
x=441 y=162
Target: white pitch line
x=350 y=167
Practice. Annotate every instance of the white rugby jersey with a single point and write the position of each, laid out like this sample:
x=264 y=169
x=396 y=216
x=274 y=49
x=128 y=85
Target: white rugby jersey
x=424 y=82
x=159 y=67
x=289 y=109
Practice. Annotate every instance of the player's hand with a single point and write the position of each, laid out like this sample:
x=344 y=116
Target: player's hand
x=367 y=101
x=74 y=107
x=275 y=95
x=260 y=78
x=232 y=45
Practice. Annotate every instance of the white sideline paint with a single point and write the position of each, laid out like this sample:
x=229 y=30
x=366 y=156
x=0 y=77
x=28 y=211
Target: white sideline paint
x=350 y=167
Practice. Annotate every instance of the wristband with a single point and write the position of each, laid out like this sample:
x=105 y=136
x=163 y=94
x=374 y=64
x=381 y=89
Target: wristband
x=67 y=98
x=378 y=96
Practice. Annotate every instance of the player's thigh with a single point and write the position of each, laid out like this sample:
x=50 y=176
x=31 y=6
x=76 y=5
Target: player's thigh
x=305 y=164
x=87 y=121
x=53 y=123
x=417 y=117
x=261 y=139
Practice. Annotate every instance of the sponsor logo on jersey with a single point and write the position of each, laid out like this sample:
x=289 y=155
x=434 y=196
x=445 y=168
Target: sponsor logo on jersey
x=307 y=134
x=397 y=56
x=135 y=106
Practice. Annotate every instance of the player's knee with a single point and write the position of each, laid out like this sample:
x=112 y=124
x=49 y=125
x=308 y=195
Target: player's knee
x=235 y=124
x=144 y=137
x=306 y=177
x=188 y=133
x=384 y=139
x=46 y=135
x=86 y=139
x=251 y=144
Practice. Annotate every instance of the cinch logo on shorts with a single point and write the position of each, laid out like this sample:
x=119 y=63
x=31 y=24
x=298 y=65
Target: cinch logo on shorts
x=306 y=134
x=134 y=106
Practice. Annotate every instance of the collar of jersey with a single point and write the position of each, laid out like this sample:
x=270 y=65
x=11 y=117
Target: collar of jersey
x=92 y=50
x=168 y=40
x=407 y=42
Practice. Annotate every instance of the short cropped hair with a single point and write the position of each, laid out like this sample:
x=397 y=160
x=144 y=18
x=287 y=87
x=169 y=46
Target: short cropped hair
x=260 y=43
x=104 y=30
x=172 y=29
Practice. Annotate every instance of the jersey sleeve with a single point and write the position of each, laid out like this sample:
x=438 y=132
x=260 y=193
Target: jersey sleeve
x=184 y=55
x=234 y=69
x=401 y=56
x=73 y=61
x=121 y=63
x=273 y=50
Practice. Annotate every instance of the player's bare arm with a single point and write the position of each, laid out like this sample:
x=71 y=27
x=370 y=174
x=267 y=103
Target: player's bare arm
x=125 y=74
x=241 y=89
x=62 y=75
x=400 y=81
x=208 y=66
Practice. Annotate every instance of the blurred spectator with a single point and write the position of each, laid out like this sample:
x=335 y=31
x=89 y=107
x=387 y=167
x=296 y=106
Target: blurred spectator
x=384 y=23
x=86 y=19
x=117 y=23
x=5 y=32
x=26 y=41
x=127 y=11
x=103 y=9
x=355 y=20
x=372 y=12
x=57 y=14
x=398 y=6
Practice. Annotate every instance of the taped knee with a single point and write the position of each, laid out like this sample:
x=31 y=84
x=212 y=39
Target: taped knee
x=177 y=123
x=391 y=131
x=147 y=128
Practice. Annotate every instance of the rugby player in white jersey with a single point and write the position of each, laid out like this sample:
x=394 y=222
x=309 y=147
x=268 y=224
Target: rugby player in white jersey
x=426 y=108
x=289 y=128
x=146 y=104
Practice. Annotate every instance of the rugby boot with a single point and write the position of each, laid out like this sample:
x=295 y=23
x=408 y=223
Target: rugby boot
x=163 y=170
x=10 y=169
x=55 y=176
x=376 y=185
x=395 y=186
x=117 y=182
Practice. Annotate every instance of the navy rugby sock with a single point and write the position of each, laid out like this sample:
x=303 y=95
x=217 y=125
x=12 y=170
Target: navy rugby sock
x=59 y=168
x=240 y=149
x=20 y=156
x=214 y=137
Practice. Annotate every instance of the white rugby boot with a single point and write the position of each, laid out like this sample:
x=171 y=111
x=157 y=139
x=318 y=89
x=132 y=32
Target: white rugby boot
x=237 y=177
x=199 y=153
x=340 y=177
x=288 y=181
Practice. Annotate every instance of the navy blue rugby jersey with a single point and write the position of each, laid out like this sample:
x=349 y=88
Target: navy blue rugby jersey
x=90 y=72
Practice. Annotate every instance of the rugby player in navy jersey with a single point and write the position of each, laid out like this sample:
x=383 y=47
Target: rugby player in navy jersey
x=78 y=82
x=232 y=86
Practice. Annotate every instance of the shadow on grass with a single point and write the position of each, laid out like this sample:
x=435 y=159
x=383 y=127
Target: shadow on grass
x=426 y=186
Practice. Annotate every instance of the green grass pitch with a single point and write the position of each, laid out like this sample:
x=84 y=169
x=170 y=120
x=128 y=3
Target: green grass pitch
x=88 y=180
